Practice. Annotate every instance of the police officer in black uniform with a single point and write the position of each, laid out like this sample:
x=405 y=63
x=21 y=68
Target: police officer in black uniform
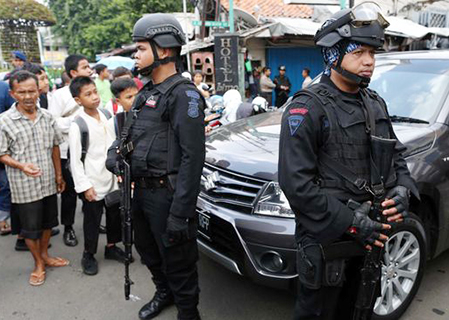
x=165 y=144
x=283 y=86
x=325 y=167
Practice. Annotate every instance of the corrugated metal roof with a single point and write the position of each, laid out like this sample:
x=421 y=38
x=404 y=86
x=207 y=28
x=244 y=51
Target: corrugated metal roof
x=271 y=8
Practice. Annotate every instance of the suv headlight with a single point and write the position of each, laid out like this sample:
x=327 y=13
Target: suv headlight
x=272 y=202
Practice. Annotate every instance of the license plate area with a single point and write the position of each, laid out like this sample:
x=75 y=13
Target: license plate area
x=204 y=225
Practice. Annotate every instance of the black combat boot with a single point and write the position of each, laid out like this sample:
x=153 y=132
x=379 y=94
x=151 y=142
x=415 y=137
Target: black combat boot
x=162 y=299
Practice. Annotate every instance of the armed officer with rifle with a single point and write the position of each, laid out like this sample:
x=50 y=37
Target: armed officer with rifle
x=341 y=169
x=163 y=145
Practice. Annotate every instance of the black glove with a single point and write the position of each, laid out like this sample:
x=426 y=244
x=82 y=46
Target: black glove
x=177 y=229
x=363 y=229
x=401 y=196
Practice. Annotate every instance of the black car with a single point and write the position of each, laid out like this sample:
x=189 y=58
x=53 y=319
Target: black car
x=245 y=220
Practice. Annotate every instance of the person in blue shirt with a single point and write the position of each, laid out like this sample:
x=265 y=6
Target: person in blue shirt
x=6 y=100
x=5 y=197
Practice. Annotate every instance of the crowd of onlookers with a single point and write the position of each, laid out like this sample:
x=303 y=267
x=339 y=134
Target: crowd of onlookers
x=56 y=141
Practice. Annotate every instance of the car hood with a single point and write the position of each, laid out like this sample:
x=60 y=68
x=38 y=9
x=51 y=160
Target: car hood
x=251 y=146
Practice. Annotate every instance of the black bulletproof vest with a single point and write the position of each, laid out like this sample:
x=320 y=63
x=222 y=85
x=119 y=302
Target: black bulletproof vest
x=156 y=151
x=347 y=141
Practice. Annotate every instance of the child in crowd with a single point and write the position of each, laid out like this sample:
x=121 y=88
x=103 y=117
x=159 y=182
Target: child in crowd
x=200 y=85
x=65 y=109
x=124 y=91
x=103 y=84
x=92 y=180
x=122 y=72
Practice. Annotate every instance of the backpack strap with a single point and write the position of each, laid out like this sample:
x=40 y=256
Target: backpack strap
x=84 y=134
x=106 y=113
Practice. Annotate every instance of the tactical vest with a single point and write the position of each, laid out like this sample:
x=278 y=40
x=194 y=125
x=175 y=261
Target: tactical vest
x=156 y=151
x=348 y=143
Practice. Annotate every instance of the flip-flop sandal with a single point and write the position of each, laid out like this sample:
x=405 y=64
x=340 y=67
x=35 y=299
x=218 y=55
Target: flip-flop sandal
x=5 y=230
x=57 y=262
x=37 y=279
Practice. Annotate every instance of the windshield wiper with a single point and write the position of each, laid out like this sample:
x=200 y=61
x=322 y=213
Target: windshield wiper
x=395 y=118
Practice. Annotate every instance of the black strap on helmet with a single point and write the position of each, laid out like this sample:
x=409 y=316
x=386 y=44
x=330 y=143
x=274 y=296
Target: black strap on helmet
x=362 y=82
x=157 y=62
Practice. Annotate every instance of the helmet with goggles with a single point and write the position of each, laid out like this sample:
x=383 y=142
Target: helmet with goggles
x=364 y=24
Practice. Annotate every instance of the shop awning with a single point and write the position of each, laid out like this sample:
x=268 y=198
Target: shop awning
x=405 y=28
x=277 y=27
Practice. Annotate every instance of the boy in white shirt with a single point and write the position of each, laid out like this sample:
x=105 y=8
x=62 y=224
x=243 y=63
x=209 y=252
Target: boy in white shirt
x=64 y=108
x=92 y=180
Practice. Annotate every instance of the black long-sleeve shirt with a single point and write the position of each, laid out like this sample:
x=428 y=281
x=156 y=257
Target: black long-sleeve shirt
x=304 y=131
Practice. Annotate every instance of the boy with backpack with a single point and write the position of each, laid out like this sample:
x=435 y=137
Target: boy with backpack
x=89 y=141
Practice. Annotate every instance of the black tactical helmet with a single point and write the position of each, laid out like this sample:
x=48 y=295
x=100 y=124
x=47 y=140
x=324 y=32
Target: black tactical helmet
x=161 y=28
x=364 y=24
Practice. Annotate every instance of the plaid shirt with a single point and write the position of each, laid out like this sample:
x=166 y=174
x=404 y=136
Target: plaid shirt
x=29 y=142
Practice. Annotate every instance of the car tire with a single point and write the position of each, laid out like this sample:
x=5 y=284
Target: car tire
x=406 y=240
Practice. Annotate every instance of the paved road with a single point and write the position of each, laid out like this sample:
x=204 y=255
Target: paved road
x=68 y=294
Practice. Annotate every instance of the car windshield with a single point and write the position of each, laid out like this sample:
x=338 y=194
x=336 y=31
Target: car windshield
x=413 y=89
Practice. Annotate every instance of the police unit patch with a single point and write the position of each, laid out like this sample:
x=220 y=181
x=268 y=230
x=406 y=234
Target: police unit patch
x=192 y=94
x=294 y=122
x=193 y=111
x=302 y=111
x=151 y=102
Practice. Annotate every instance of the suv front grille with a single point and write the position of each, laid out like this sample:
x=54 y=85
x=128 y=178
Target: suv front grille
x=229 y=189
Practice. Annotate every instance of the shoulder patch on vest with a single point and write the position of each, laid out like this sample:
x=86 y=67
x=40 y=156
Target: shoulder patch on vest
x=302 y=111
x=193 y=110
x=294 y=122
x=192 y=94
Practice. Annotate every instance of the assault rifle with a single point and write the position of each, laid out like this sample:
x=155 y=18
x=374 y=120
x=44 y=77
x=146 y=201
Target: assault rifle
x=382 y=151
x=127 y=228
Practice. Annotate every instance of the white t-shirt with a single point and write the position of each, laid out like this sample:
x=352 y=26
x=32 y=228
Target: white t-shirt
x=93 y=173
x=64 y=108
x=306 y=82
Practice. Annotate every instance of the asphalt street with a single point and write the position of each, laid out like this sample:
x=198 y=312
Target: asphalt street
x=68 y=294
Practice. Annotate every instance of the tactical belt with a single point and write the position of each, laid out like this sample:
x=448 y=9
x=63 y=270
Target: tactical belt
x=343 y=249
x=151 y=182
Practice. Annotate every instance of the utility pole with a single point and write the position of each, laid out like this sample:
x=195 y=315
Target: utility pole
x=231 y=16
x=186 y=24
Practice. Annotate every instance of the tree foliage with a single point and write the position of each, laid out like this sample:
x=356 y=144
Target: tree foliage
x=25 y=12
x=94 y=26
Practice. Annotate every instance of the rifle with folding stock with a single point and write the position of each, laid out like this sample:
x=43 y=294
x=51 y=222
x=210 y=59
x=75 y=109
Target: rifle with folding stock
x=382 y=151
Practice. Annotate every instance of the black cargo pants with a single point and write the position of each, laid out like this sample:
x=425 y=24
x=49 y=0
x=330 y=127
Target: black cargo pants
x=332 y=298
x=173 y=267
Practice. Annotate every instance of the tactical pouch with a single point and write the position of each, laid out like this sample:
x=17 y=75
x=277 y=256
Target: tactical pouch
x=310 y=265
x=112 y=198
x=334 y=273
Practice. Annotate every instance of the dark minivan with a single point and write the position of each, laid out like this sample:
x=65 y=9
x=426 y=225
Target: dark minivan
x=246 y=224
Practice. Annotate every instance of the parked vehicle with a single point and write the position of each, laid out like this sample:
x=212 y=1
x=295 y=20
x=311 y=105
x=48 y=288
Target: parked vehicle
x=246 y=224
